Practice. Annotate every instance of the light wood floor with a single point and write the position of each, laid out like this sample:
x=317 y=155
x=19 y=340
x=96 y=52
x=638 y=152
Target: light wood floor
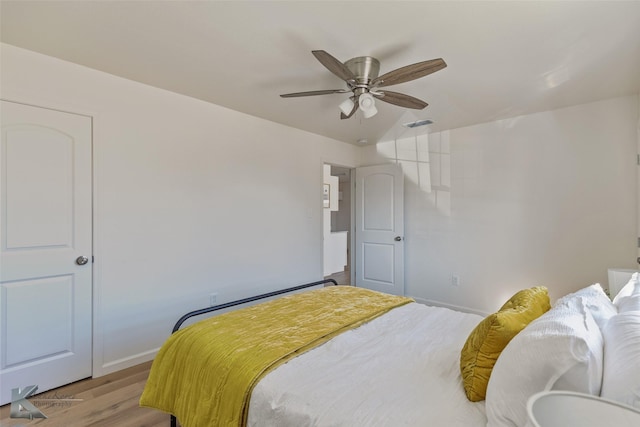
x=107 y=401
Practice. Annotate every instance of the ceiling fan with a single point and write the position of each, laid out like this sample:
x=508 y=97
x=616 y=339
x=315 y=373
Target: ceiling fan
x=361 y=76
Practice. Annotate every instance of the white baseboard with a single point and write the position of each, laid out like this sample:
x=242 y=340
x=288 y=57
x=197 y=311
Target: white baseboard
x=450 y=306
x=126 y=362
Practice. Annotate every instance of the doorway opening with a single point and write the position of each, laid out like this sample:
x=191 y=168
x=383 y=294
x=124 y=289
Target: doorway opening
x=337 y=220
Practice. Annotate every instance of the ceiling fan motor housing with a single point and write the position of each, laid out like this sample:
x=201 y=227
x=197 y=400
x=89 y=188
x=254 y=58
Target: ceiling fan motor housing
x=365 y=68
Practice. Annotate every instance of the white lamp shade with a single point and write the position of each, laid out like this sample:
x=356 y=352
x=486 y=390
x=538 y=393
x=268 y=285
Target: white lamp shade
x=346 y=106
x=367 y=105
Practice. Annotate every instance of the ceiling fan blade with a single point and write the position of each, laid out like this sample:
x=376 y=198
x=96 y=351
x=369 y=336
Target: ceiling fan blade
x=410 y=72
x=401 y=100
x=314 y=92
x=333 y=65
x=353 y=110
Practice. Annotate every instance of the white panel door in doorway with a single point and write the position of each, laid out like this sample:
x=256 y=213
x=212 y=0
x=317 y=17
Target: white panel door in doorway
x=45 y=248
x=379 y=212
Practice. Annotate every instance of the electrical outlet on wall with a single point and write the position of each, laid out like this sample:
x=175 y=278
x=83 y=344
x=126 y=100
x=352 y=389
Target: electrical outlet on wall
x=455 y=279
x=213 y=299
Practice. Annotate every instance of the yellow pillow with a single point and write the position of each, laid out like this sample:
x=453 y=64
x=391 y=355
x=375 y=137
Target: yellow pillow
x=492 y=335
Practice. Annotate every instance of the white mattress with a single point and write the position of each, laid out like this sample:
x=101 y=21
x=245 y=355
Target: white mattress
x=401 y=369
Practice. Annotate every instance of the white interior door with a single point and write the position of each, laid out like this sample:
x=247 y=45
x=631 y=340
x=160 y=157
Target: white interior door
x=379 y=211
x=45 y=289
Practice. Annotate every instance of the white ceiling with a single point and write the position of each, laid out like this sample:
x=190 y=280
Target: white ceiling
x=504 y=58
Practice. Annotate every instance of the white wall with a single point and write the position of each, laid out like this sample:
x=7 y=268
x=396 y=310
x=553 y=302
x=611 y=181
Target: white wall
x=190 y=198
x=638 y=179
x=545 y=199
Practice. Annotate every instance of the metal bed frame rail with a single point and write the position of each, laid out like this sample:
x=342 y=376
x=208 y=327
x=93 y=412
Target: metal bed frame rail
x=206 y=310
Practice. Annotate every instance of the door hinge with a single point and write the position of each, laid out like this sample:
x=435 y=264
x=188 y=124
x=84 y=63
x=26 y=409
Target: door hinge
x=93 y=259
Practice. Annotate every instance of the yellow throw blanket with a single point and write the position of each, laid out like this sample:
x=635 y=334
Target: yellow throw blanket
x=204 y=374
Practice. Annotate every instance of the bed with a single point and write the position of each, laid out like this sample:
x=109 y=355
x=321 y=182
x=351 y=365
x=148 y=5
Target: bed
x=400 y=366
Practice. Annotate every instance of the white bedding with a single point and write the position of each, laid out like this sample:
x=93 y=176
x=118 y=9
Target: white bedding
x=401 y=369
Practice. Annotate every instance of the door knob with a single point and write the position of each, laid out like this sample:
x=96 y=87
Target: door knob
x=82 y=260
x=398 y=238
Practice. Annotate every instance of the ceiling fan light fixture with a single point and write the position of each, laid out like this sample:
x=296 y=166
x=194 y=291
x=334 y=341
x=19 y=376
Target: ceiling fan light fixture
x=367 y=105
x=346 y=106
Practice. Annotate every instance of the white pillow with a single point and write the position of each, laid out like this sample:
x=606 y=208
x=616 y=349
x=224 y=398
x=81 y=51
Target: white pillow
x=631 y=288
x=629 y=303
x=621 y=377
x=562 y=350
x=594 y=299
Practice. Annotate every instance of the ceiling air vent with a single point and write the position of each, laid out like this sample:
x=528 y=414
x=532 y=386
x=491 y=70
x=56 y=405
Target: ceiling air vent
x=418 y=123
